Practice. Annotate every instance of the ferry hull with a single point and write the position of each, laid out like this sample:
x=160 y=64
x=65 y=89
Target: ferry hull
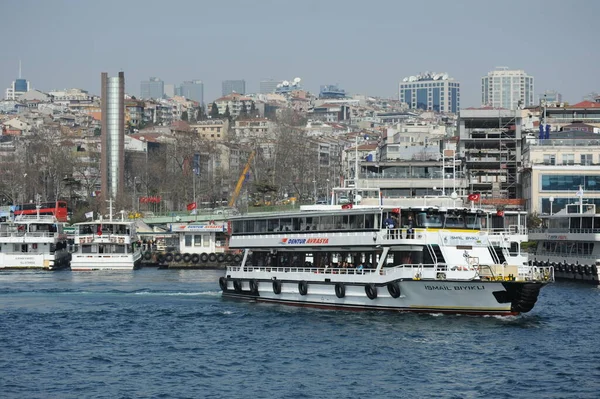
x=91 y=262
x=452 y=297
x=34 y=261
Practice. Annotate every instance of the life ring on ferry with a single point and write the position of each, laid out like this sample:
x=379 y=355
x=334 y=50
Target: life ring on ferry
x=237 y=286
x=253 y=287
x=371 y=291
x=223 y=283
x=394 y=290
x=212 y=257
x=204 y=257
x=147 y=255
x=237 y=258
x=177 y=257
x=187 y=257
x=220 y=258
x=340 y=290
x=195 y=258
x=169 y=257
x=303 y=287
x=228 y=258
x=276 y=287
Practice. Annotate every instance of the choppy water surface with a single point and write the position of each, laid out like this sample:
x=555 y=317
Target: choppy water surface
x=169 y=334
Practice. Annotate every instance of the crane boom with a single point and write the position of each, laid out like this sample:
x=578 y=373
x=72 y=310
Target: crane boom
x=240 y=182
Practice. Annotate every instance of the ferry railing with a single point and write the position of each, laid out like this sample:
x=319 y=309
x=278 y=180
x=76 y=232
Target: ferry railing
x=42 y=234
x=315 y=270
x=565 y=230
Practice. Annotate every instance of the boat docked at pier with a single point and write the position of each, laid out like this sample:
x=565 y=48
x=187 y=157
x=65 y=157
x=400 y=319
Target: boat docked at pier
x=570 y=242
x=422 y=255
x=33 y=242
x=106 y=244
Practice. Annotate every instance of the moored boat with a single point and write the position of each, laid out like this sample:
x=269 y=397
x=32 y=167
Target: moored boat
x=106 y=244
x=431 y=257
x=33 y=242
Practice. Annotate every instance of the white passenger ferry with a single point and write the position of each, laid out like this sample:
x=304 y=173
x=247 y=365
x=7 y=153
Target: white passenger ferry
x=33 y=242
x=570 y=242
x=106 y=244
x=435 y=258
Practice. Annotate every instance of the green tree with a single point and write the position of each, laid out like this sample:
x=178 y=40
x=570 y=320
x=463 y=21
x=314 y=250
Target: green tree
x=227 y=113
x=253 y=111
x=214 y=111
x=243 y=112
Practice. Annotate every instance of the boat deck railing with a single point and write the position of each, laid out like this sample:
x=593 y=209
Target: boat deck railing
x=565 y=231
x=38 y=234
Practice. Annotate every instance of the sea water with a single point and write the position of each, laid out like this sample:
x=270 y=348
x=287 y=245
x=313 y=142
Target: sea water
x=154 y=333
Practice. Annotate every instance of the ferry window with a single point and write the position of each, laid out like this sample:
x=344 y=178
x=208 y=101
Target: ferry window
x=286 y=224
x=296 y=224
x=310 y=224
x=356 y=221
x=473 y=222
x=326 y=223
x=454 y=221
x=249 y=226
x=370 y=221
x=188 y=240
x=206 y=240
x=260 y=226
x=118 y=249
x=338 y=222
x=586 y=223
x=197 y=240
x=273 y=225
x=429 y=220
x=237 y=226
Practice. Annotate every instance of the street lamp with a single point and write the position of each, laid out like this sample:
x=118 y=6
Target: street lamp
x=551 y=199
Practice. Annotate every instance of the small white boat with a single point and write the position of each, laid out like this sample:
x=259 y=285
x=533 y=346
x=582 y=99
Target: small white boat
x=106 y=245
x=33 y=242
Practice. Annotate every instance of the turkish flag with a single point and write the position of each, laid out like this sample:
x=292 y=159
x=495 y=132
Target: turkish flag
x=474 y=197
x=396 y=210
x=191 y=207
x=347 y=206
x=500 y=213
x=99 y=230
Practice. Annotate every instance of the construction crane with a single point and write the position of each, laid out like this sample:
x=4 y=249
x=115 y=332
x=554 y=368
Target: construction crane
x=240 y=182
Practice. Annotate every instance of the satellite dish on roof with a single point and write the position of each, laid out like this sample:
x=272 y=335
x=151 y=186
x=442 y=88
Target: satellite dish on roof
x=285 y=83
x=297 y=81
x=437 y=76
x=405 y=80
x=445 y=76
x=279 y=85
x=412 y=79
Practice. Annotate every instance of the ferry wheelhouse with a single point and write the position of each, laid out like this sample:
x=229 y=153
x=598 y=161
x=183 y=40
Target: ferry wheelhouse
x=569 y=242
x=106 y=245
x=33 y=242
x=433 y=257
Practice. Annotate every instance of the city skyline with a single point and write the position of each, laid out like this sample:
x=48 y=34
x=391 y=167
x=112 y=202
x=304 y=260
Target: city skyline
x=379 y=47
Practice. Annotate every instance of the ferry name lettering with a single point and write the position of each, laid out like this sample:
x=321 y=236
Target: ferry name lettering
x=301 y=241
x=455 y=288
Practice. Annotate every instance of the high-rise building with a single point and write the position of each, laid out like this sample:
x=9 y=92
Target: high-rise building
x=230 y=86
x=430 y=91
x=169 y=90
x=112 y=156
x=192 y=90
x=268 y=86
x=508 y=89
x=18 y=87
x=152 y=88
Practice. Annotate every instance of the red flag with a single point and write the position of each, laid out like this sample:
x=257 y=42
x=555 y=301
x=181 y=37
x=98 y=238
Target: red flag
x=499 y=213
x=474 y=197
x=396 y=210
x=191 y=207
x=347 y=206
x=99 y=230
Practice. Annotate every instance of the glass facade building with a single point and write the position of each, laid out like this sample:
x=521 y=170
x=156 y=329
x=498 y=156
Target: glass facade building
x=431 y=92
x=230 y=86
x=193 y=90
x=508 y=89
x=152 y=88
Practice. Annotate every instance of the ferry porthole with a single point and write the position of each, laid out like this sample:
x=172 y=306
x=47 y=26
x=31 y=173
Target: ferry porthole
x=371 y=291
x=223 y=283
x=340 y=290
x=237 y=286
x=303 y=287
x=394 y=290
x=276 y=287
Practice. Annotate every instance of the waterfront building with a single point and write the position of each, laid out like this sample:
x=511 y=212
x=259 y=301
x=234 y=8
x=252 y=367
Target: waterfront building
x=555 y=168
x=192 y=90
x=508 y=89
x=153 y=88
x=430 y=91
x=112 y=156
x=268 y=86
x=233 y=86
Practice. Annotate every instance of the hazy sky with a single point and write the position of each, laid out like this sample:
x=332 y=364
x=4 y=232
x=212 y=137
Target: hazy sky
x=365 y=46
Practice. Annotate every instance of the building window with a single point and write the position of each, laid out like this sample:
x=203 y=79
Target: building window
x=586 y=159
x=568 y=159
x=549 y=159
